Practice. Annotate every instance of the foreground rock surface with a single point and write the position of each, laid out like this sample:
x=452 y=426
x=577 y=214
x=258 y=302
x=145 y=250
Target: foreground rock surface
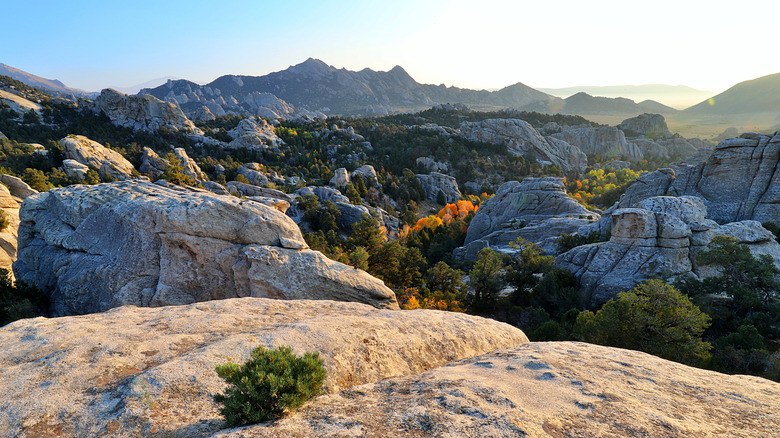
x=539 y=389
x=155 y=371
x=96 y=247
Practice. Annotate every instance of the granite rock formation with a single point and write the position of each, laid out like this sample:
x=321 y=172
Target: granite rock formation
x=646 y=125
x=91 y=248
x=108 y=163
x=536 y=209
x=136 y=372
x=521 y=139
x=142 y=112
x=11 y=197
x=659 y=238
x=436 y=182
x=740 y=180
x=253 y=133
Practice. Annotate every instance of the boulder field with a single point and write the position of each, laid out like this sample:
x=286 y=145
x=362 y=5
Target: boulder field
x=91 y=248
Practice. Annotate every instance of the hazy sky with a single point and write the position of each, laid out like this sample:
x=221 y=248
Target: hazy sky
x=709 y=45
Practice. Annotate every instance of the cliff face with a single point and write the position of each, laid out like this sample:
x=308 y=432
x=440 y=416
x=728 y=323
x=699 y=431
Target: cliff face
x=740 y=180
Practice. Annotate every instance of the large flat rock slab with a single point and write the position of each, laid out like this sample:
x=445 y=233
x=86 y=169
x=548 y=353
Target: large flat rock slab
x=544 y=389
x=134 y=371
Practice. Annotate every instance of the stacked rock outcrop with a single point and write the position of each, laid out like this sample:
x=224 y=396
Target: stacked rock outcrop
x=658 y=238
x=142 y=112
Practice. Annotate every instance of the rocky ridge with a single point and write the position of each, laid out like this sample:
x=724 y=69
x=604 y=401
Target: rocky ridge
x=333 y=91
x=521 y=139
x=91 y=248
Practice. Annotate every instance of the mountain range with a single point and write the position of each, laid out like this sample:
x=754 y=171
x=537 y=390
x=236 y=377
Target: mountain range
x=675 y=96
x=314 y=88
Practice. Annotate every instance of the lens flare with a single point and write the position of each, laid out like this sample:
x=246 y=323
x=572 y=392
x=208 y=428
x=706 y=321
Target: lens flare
x=711 y=101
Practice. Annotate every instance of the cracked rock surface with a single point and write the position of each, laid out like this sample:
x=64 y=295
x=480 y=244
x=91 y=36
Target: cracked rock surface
x=135 y=371
x=92 y=248
x=540 y=389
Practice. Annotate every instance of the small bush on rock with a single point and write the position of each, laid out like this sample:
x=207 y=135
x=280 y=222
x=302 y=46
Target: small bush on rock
x=270 y=384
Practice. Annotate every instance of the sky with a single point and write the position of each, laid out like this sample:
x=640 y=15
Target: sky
x=486 y=44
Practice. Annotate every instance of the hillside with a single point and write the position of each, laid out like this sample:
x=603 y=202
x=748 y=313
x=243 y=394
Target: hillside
x=753 y=96
x=676 y=96
x=583 y=103
x=51 y=85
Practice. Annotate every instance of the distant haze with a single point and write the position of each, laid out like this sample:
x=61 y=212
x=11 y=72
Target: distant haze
x=679 y=96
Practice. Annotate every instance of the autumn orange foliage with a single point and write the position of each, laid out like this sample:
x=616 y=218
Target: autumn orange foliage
x=459 y=210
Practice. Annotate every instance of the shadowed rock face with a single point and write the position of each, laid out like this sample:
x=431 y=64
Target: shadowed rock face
x=132 y=371
x=96 y=247
x=740 y=180
x=540 y=389
x=659 y=238
x=536 y=209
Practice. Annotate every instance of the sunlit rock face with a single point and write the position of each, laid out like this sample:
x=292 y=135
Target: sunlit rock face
x=91 y=248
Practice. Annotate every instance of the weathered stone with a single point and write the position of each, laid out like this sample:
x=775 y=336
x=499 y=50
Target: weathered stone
x=537 y=209
x=648 y=125
x=215 y=187
x=108 y=163
x=605 y=141
x=432 y=165
x=659 y=238
x=739 y=181
x=189 y=166
x=252 y=190
x=137 y=372
x=340 y=178
x=91 y=248
x=367 y=172
x=9 y=204
x=522 y=139
x=142 y=112
x=17 y=187
x=74 y=169
x=152 y=164
x=540 y=389
x=254 y=176
x=253 y=134
x=439 y=182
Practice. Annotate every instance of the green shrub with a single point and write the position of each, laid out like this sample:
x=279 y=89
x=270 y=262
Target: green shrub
x=271 y=383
